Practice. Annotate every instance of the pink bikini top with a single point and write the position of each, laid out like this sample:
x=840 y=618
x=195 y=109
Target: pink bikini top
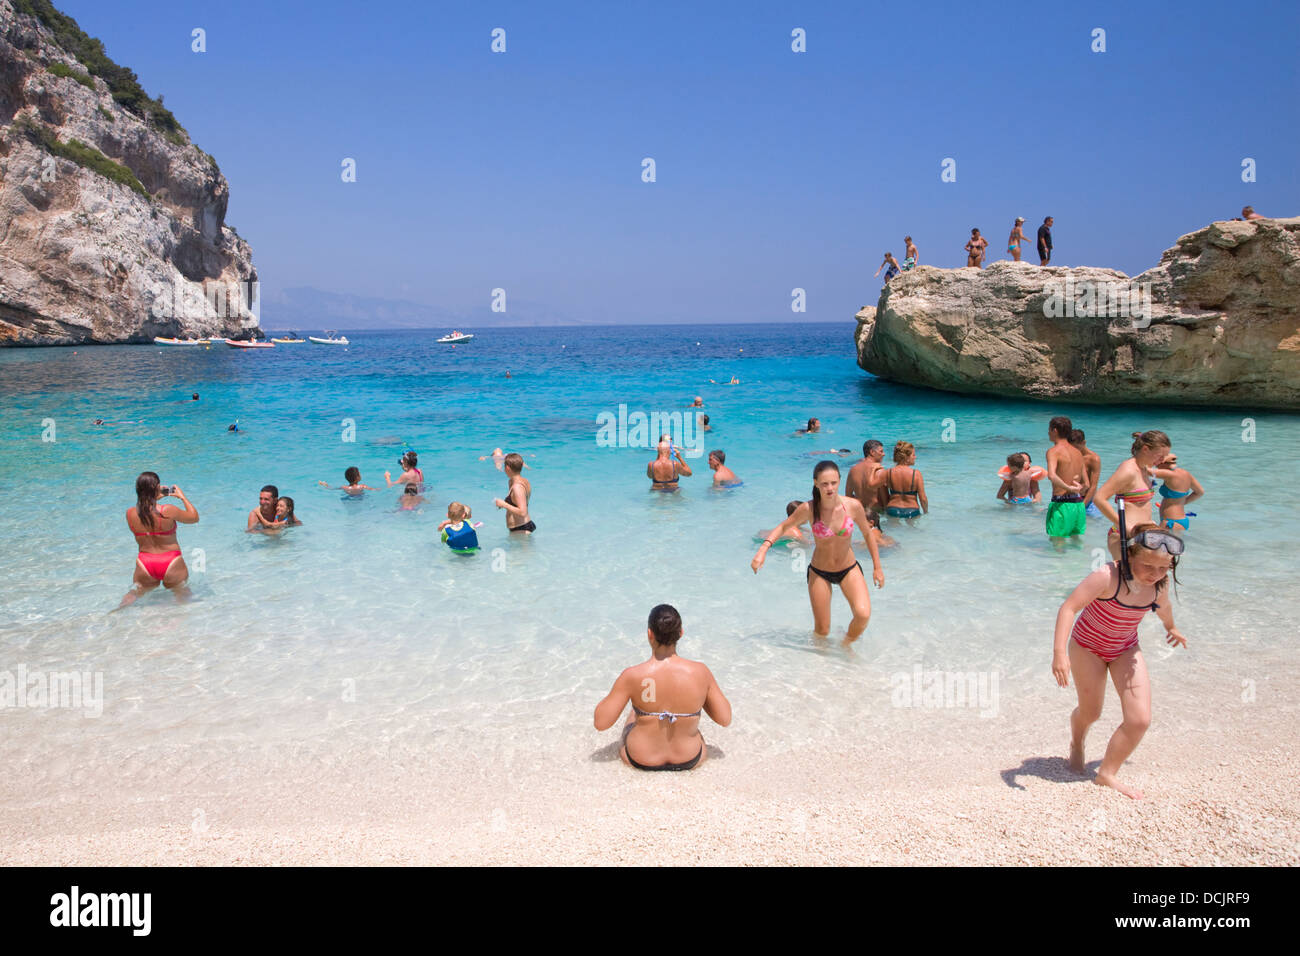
x=820 y=530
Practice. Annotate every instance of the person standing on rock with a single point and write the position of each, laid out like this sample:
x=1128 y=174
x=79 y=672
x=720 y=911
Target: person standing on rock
x=893 y=270
x=1045 y=242
x=1066 y=517
x=1016 y=238
x=975 y=249
x=909 y=256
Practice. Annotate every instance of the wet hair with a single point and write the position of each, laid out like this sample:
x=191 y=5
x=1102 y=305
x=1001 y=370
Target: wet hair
x=352 y=475
x=665 y=624
x=410 y=459
x=813 y=424
x=457 y=511
x=275 y=492
x=869 y=446
x=1077 y=437
x=411 y=488
x=1025 y=456
x=815 y=502
x=1015 y=462
x=705 y=419
x=288 y=508
x=873 y=519
x=514 y=461
x=146 y=496
x=1151 y=439
x=1062 y=426
x=791 y=507
x=901 y=450
x=720 y=455
x=1134 y=548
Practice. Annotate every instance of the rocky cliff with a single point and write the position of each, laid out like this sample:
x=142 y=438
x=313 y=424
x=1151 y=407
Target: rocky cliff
x=1216 y=322
x=112 y=223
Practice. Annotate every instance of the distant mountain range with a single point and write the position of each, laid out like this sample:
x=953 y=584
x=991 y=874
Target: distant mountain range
x=306 y=308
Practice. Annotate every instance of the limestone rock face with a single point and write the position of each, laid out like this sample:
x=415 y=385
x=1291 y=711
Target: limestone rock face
x=1216 y=322
x=83 y=258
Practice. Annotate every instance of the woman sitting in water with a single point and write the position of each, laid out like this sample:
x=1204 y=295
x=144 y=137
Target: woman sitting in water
x=154 y=527
x=904 y=484
x=814 y=426
x=1109 y=604
x=833 y=519
x=1132 y=481
x=667 y=739
x=1178 y=490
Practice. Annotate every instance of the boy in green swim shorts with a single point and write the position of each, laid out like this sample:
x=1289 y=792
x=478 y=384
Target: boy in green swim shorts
x=1066 y=515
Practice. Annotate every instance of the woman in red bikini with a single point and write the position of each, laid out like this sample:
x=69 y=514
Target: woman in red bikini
x=154 y=527
x=832 y=518
x=1110 y=603
x=1132 y=481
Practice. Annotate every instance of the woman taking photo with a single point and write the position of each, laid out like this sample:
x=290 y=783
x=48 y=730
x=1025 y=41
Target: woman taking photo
x=154 y=527
x=833 y=519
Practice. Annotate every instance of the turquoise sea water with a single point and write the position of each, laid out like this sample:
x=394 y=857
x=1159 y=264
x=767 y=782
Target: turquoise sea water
x=360 y=628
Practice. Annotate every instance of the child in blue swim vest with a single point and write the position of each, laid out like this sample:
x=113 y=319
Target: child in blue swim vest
x=457 y=532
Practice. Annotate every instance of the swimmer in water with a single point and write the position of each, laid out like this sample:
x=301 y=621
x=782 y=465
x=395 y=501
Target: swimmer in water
x=667 y=739
x=1109 y=604
x=723 y=477
x=1015 y=488
x=154 y=525
x=704 y=424
x=410 y=473
x=499 y=458
x=832 y=560
x=411 y=498
x=734 y=381
x=794 y=535
x=665 y=470
x=517 y=497
x=814 y=426
x=354 y=487
x=698 y=403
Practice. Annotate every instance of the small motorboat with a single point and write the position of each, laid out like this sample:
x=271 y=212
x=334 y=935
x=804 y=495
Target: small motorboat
x=291 y=339
x=454 y=338
x=161 y=340
x=329 y=338
x=253 y=344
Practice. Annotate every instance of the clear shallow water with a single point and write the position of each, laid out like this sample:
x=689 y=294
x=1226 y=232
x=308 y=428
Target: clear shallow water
x=360 y=630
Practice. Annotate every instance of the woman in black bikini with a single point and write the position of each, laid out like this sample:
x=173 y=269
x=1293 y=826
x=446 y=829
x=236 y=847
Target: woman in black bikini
x=516 y=499
x=661 y=737
x=832 y=518
x=903 y=483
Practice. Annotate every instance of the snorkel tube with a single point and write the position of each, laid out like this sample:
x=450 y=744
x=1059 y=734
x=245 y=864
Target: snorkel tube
x=1125 y=572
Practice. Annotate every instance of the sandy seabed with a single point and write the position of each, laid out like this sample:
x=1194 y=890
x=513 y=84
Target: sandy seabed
x=1226 y=795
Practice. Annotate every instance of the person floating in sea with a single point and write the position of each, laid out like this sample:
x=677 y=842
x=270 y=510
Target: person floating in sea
x=1016 y=484
x=975 y=247
x=354 y=488
x=893 y=270
x=858 y=483
x=519 y=492
x=410 y=473
x=457 y=532
x=665 y=470
x=159 y=559
x=704 y=424
x=1045 y=242
x=698 y=403
x=1091 y=462
x=1179 y=489
x=1132 y=481
x=909 y=254
x=1109 y=604
x=411 y=498
x=667 y=739
x=832 y=560
x=814 y=426
x=723 y=477
x=904 y=486
x=1066 y=515
x=1016 y=238
x=734 y=381
x=264 y=514
x=793 y=535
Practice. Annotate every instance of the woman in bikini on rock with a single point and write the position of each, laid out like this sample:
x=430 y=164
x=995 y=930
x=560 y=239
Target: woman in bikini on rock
x=667 y=694
x=833 y=519
x=1017 y=238
x=154 y=526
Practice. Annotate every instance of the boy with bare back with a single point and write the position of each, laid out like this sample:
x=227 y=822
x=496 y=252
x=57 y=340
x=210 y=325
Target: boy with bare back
x=1066 y=516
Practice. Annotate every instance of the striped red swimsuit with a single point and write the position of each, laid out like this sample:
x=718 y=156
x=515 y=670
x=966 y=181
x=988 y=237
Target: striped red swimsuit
x=1108 y=628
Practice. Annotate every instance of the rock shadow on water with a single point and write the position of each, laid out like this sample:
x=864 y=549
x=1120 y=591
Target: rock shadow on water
x=1051 y=769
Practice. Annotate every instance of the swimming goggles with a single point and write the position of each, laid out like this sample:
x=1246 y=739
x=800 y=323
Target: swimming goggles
x=1155 y=540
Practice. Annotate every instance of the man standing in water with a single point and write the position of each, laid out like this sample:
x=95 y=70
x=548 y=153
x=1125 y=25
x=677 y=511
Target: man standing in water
x=858 y=484
x=265 y=507
x=1069 y=476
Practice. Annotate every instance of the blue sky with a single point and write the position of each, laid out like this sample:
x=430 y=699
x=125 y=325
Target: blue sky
x=775 y=169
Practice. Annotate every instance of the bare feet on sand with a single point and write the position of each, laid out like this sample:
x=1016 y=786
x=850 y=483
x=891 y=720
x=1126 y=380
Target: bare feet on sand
x=1106 y=780
x=1076 y=756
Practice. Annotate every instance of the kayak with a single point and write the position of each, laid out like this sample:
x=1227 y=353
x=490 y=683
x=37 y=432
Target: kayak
x=235 y=344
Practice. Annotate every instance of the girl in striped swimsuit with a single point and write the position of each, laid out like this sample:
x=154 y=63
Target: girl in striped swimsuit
x=1104 y=638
